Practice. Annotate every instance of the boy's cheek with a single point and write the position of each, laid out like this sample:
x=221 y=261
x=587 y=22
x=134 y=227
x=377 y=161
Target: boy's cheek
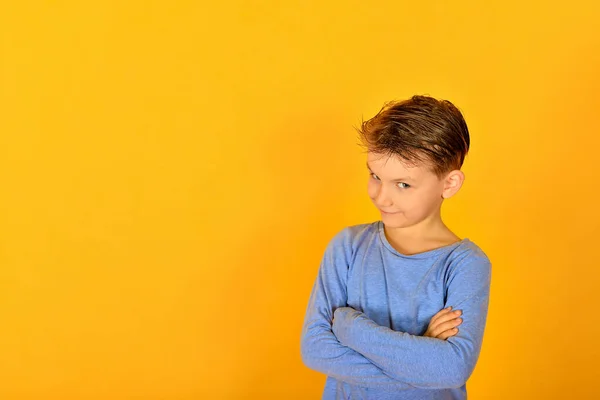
x=371 y=190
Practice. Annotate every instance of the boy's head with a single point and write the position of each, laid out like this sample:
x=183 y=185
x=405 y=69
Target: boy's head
x=415 y=151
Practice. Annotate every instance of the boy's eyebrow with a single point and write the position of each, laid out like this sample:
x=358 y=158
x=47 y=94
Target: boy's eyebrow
x=408 y=178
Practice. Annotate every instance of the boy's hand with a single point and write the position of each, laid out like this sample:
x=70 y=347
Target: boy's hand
x=443 y=324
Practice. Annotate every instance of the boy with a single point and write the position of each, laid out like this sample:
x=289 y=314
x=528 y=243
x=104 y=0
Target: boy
x=384 y=313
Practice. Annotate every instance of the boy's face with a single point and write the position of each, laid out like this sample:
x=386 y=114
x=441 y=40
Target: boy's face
x=406 y=194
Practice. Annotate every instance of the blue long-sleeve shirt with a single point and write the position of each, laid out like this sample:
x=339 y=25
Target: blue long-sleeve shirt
x=383 y=301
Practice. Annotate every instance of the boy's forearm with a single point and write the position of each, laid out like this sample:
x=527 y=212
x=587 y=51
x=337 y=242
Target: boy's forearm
x=322 y=352
x=423 y=362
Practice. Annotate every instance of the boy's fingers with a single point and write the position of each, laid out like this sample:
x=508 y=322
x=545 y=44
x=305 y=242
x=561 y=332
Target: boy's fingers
x=440 y=314
x=444 y=316
x=449 y=325
x=445 y=335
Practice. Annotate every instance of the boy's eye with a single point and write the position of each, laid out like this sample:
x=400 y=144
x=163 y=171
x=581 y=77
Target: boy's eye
x=374 y=176
x=406 y=185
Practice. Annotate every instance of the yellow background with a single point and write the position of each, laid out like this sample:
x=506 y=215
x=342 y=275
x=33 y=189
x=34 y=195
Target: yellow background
x=171 y=172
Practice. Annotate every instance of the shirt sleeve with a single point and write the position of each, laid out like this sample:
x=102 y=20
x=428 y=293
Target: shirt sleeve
x=321 y=350
x=426 y=362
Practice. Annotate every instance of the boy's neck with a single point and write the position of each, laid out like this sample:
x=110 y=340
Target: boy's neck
x=426 y=236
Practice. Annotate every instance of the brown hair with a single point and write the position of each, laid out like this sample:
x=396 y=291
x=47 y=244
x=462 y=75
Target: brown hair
x=420 y=129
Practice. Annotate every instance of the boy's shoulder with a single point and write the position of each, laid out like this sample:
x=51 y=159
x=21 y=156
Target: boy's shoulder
x=472 y=250
x=469 y=254
x=347 y=240
x=353 y=234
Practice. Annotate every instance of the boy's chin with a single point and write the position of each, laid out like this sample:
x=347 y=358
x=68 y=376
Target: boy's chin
x=394 y=221
x=394 y=226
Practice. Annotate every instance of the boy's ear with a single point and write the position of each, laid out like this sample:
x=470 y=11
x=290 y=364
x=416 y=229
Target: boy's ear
x=452 y=183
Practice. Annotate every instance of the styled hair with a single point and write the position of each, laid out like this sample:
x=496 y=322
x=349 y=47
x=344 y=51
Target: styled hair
x=421 y=129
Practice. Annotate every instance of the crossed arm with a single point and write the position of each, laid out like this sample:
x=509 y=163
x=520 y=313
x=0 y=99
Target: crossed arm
x=354 y=349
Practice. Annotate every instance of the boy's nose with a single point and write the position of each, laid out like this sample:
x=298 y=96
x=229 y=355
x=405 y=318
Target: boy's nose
x=383 y=200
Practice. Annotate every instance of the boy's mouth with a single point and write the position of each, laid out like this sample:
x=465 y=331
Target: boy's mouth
x=388 y=212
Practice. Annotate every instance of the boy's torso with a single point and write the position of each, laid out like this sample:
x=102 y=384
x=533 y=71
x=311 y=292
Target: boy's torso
x=400 y=292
